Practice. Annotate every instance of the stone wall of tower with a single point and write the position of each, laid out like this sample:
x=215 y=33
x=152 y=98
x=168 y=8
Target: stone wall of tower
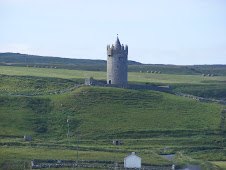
x=117 y=64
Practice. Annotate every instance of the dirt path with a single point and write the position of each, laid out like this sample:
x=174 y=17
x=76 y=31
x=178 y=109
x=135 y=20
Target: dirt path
x=189 y=167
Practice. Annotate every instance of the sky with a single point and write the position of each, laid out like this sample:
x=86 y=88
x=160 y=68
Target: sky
x=181 y=32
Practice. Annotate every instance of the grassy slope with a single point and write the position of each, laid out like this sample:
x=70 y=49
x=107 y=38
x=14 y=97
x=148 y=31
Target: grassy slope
x=25 y=58
x=106 y=111
x=179 y=123
x=34 y=85
x=142 y=120
x=119 y=110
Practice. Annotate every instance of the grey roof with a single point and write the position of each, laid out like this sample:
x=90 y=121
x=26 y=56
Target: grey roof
x=117 y=44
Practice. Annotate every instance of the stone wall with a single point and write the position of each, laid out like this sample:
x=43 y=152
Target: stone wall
x=98 y=164
x=201 y=99
x=133 y=86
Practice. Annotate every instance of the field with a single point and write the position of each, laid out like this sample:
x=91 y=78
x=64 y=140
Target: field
x=208 y=87
x=22 y=60
x=115 y=111
x=144 y=121
x=133 y=76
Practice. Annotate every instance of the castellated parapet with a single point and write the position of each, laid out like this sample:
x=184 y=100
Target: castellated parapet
x=117 y=63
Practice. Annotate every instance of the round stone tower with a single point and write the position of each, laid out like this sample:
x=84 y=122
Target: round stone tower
x=117 y=63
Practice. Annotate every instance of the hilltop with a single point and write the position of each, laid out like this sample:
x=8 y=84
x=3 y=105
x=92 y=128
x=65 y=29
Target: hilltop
x=35 y=59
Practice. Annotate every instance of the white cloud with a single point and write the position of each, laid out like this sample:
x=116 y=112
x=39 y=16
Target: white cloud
x=18 y=48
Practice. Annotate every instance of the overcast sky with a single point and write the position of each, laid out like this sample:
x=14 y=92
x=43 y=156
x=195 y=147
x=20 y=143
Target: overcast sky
x=156 y=31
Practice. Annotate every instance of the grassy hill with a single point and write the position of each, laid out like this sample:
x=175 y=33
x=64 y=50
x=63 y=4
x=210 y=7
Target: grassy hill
x=119 y=111
x=144 y=121
x=35 y=59
x=22 y=60
x=106 y=112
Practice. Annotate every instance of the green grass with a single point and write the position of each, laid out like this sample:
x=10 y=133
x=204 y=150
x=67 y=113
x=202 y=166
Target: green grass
x=117 y=106
x=42 y=153
x=134 y=77
x=17 y=155
x=44 y=72
x=181 y=70
x=215 y=91
x=171 y=79
x=108 y=112
x=17 y=58
x=218 y=155
x=20 y=115
x=180 y=156
x=130 y=110
x=22 y=60
x=145 y=121
x=40 y=80
x=34 y=85
x=221 y=164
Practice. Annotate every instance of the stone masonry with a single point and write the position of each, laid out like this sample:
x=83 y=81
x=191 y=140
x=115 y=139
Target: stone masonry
x=117 y=63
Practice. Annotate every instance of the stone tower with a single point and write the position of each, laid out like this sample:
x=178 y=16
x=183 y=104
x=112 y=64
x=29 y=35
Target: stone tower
x=117 y=63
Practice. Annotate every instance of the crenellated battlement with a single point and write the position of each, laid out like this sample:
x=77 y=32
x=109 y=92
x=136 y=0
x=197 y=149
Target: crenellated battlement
x=122 y=48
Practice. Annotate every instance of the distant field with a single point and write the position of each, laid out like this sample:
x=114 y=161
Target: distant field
x=44 y=72
x=22 y=60
x=139 y=77
x=37 y=81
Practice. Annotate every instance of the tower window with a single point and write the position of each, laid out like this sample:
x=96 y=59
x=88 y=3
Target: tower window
x=120 y=58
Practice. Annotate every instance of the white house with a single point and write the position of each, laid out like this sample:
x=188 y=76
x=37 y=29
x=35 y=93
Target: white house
x=132 y=161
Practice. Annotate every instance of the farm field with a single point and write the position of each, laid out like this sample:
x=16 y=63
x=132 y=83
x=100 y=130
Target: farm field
x=144 y=121
x=132 y=76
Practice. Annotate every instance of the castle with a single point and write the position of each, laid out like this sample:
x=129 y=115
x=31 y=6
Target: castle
x=117 y=63
x=117 y=68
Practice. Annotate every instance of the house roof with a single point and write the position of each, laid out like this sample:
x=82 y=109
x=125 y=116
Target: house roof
x=133 y=154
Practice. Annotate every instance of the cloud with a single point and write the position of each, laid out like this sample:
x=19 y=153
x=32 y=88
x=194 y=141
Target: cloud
x=18 y=48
